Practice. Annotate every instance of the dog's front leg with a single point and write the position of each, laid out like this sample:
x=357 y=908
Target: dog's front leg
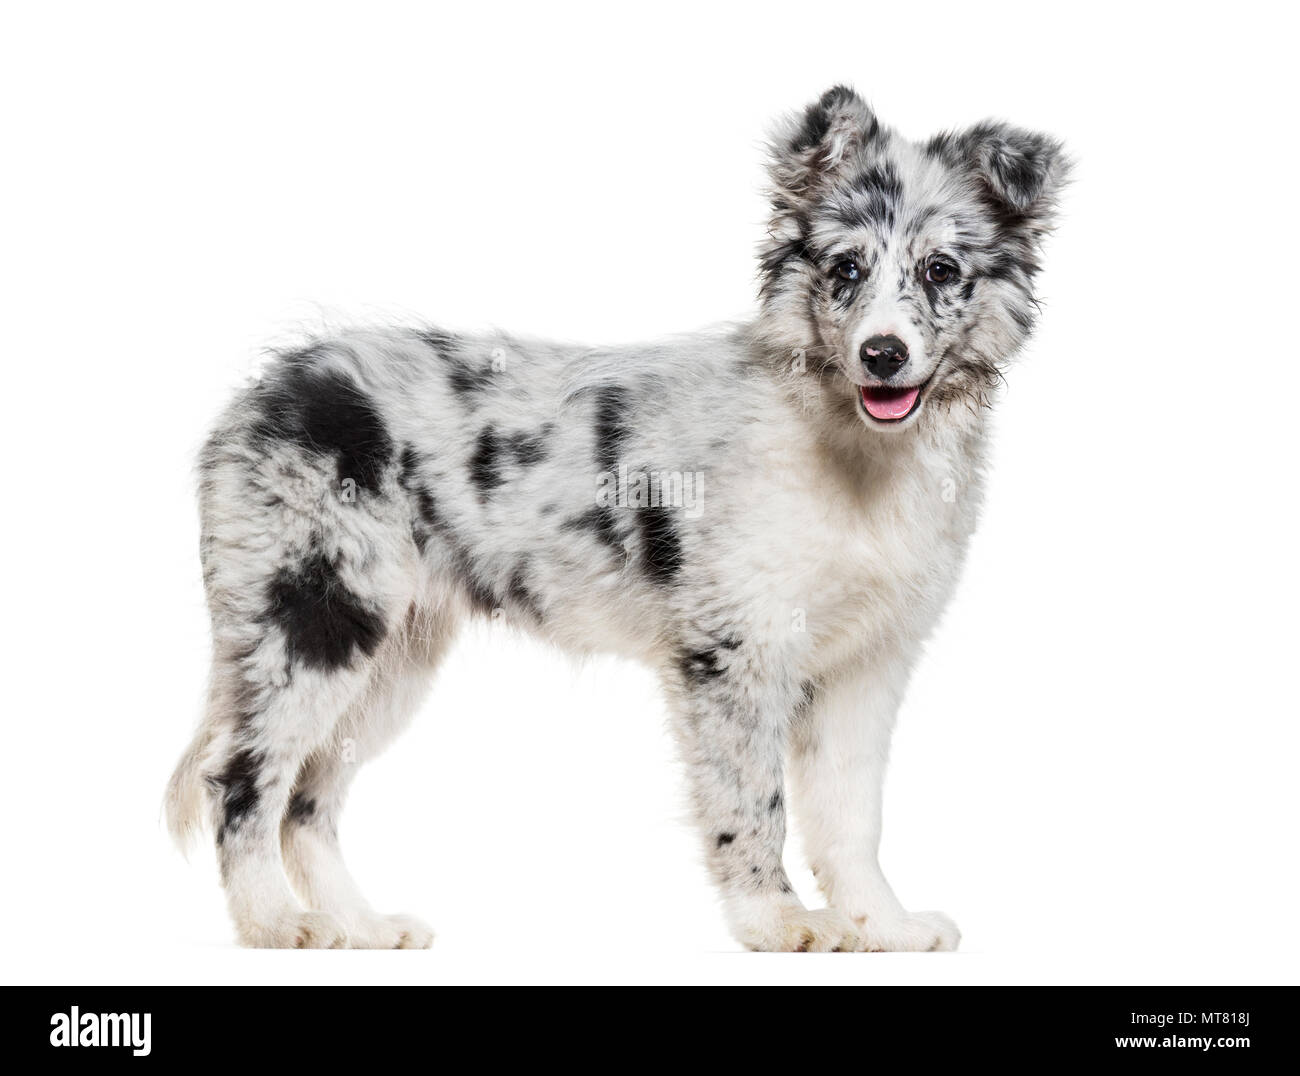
x=733 y=720
x=840 y=746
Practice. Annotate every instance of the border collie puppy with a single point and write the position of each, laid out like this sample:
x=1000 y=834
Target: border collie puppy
x=771 y=516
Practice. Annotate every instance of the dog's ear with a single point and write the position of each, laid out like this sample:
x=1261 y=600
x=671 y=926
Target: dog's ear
x=1021 y=171
x=808 y=150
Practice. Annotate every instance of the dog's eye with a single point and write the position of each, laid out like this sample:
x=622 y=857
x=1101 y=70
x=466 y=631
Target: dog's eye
x=940 y=273
x=847 y=269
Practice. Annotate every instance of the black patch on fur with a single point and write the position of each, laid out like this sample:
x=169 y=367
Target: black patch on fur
x=485 y=464
x=883 y=191
x=725 y=839
x=482 y=598
x=427 y=521
x=467 y=377
x=530 y=449
x=325 y=413
x=942 y=147
x=774 y=262
x=494 y=451
x=1017 y=178
x=661 y=544
x=518 y=592
x=702 y=665
x=816 y=122
x=843 y=290
x=1001 y=267
x=238 y=787
x=600 y=521
x=774 y=803
x=611 y=427
x=468 y=380
x=302 y=809
x=324 y=623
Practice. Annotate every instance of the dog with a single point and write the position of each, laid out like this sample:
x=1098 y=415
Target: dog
x=772 y=515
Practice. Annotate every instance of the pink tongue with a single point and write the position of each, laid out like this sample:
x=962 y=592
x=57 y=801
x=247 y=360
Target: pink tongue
x=889 y=403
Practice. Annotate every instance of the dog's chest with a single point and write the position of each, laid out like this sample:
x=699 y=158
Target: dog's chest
x=871 y=558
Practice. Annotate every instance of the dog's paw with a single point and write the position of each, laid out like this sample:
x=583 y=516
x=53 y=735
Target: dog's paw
x=295 y=930
x=795 y=929
x=919 y=932
x=389 y=932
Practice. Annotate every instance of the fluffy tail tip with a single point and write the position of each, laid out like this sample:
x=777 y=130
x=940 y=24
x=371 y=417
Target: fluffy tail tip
x=184 y=802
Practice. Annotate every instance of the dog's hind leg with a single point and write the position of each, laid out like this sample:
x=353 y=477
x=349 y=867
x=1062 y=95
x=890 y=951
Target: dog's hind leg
x=310 y=828
x=298 y=629
x=263 y=734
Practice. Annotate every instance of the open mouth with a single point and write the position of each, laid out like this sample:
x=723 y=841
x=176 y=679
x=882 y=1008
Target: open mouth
x=885 y=403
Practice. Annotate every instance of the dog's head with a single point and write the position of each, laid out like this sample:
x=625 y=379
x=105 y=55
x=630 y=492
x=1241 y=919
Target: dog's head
x=907 y=268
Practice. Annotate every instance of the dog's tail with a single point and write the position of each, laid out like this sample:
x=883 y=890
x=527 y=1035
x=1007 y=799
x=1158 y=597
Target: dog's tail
x=185 y=802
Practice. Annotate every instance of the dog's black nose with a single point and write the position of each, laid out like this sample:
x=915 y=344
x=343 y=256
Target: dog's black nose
x=884 y=356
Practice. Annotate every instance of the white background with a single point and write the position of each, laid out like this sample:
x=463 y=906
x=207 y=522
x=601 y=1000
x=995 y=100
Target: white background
x=1095 y=768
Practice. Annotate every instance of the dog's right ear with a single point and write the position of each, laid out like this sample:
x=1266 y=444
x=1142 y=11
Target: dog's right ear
x=809 y=150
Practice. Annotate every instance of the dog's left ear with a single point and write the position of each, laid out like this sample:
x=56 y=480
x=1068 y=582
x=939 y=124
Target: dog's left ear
x=1021 y=171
